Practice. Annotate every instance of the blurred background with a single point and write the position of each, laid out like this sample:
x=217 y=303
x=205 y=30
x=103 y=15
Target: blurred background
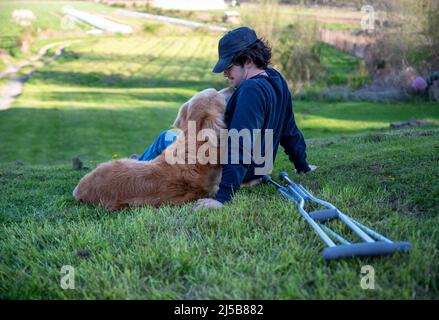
x=91 y=67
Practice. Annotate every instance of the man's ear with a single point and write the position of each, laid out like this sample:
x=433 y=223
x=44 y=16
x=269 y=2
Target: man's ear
x=249 y=63
x=182 y=116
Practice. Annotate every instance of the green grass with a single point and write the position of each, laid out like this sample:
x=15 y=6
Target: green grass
x=341 y=69
x=335 y=19
x=133 y=84
x=137 y=85
x=48 y=25
x=325 y=119
x=328 y=18
x=109 y=97
x=256 y=248
x=48 y=13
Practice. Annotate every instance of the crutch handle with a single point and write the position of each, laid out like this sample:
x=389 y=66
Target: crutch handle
x=365 y=249
x=324 y=215
x=284 y=177
x=267 y=179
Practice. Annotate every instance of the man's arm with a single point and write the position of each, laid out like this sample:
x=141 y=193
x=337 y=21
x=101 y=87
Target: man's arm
x=293 y=142
x=249 y=114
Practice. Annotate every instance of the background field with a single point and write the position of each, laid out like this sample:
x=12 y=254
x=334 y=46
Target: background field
x=110 y=96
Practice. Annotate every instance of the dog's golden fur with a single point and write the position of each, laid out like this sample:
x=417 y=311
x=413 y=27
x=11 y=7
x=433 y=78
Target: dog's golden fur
x=121 y=183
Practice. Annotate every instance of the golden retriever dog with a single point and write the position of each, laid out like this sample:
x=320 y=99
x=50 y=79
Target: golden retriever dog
x=122 y=183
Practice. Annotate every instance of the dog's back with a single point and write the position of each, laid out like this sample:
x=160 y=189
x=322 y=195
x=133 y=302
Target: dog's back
x=120 y=183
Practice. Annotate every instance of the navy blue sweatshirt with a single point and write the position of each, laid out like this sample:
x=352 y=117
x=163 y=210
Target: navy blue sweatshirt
x=261 y=102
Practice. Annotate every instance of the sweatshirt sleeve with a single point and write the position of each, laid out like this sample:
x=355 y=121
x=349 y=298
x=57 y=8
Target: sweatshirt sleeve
x=249 y=114
x=293 y=142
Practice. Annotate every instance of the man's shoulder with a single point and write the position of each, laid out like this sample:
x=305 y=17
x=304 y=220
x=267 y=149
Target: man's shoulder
x=251 y=89
x=251 y=84
x=274 y=84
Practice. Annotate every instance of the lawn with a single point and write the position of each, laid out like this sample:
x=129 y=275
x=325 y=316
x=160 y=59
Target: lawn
x=335 y=19
x=256 y=248
x=48 y=19
x=341 y=69
x=109 y=97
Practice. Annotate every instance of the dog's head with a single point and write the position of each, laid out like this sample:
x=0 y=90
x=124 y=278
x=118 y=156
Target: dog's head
x=206 y=109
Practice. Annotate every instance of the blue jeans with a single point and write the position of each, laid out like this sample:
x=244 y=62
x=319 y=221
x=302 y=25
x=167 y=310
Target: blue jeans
x=165 y=139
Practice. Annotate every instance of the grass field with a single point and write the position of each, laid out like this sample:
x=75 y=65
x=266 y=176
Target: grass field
x=256 y=248
x=336 y=19
x=109 y=97
x=48 y=19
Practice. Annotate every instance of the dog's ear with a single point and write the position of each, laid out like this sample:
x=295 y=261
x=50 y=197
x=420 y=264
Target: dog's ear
x=227 y=93
x=206 y=110
x=182 y=116
x=213 y=120
x=214 y=123
x=210 y=129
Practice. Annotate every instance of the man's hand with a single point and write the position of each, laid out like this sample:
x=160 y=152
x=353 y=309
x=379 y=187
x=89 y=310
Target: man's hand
x=207 y=203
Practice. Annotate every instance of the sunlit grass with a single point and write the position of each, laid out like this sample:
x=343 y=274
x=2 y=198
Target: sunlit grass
x=258 y=247
x=322 y=119
x=116 y=93
x=108 y=97
x=136 y=85
x=48 y=15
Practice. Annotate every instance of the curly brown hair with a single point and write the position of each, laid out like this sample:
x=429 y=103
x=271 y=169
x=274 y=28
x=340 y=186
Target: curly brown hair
x=259 y=53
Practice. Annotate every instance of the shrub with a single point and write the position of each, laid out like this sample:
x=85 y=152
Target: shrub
x=411 y=37
x=152 y=27
x=298 y=54
x=26 y=38
x=295 y=49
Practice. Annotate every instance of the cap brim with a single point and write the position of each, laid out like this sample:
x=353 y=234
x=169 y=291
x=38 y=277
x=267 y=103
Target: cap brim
x=222 y=64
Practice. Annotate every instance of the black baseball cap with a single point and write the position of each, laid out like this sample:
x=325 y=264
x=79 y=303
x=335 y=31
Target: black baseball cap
x=231 y=43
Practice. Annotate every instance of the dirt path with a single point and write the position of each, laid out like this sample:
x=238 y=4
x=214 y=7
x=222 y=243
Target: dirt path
x=14 y=87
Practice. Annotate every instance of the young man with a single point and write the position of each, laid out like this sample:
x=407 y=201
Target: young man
x=261 y=101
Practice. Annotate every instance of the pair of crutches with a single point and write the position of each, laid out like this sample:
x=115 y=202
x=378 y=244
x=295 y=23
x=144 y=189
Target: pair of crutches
x=373 y=244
